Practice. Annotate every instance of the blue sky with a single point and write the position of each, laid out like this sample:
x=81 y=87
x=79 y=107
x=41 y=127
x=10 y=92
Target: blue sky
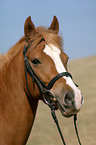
x=77 y=19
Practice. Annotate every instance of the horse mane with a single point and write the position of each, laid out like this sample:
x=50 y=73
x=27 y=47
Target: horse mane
x=49 y=36
x=11 y=52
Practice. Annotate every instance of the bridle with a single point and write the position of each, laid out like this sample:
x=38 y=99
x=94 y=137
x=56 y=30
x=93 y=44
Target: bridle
x=50 y=100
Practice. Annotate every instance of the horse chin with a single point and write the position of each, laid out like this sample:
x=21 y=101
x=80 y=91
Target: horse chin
x=65 y=114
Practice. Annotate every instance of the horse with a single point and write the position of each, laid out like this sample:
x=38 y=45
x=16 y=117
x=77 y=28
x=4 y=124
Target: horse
x=34 y=69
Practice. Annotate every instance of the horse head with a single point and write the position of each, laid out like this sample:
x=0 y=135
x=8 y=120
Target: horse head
x=46 y=58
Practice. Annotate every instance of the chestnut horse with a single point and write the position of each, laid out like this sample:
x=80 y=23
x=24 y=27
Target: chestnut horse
x=18 y=98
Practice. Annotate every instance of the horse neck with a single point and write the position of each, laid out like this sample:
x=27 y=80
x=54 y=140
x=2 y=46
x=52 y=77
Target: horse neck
x=17 y=112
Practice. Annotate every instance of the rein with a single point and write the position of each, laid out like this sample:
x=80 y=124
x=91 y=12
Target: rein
x=45 y=90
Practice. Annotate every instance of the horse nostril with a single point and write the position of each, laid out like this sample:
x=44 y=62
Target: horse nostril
x=68 y=100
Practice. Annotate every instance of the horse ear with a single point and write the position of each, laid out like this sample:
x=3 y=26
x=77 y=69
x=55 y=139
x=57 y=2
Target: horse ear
x=29 y=28
x=54 y=25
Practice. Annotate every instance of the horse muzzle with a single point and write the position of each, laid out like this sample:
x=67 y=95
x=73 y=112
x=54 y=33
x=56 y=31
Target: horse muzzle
x=69 y=107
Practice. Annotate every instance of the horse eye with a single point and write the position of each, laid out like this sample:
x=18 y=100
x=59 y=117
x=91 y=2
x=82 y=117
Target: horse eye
x=36 y=61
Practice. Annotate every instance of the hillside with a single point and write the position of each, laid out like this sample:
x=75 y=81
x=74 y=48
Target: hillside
x=45 y=132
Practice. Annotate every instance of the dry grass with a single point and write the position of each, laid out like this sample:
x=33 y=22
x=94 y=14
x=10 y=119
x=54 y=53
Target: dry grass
x=44 y=131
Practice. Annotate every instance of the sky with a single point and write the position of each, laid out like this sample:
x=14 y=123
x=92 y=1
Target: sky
x=77 y=23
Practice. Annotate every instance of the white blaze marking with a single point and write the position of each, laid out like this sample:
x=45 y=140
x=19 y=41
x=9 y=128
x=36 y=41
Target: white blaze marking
x=54 y=53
